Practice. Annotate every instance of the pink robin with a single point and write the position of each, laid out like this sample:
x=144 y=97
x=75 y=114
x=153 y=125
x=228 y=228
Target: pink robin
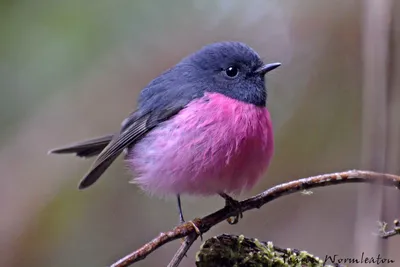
x=200 y=128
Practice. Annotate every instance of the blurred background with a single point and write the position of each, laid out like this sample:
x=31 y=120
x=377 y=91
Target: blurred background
x=71 y=70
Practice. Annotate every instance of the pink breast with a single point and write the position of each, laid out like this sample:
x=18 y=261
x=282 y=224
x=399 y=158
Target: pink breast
x=216 y=144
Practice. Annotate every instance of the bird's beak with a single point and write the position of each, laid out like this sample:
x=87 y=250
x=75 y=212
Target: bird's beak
x=267 y=68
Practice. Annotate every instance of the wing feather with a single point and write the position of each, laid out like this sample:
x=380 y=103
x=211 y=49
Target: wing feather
x=133 y=130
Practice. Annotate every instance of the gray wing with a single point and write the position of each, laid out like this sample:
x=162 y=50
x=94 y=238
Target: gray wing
x=134 y=128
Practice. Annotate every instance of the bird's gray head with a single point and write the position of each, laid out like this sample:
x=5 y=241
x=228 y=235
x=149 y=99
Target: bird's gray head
x=230 y=68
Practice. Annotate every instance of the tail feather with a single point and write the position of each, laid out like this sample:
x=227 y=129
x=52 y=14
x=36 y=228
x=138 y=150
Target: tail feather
x=86 y=149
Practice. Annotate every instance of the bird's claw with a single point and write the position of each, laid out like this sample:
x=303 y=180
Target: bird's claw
x=197 y=230
x=234 y=204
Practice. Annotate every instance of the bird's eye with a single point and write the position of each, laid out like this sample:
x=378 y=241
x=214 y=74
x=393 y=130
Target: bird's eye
x=232 y=71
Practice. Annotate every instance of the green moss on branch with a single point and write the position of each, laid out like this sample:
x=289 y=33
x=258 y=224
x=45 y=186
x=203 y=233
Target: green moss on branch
x=239 y=251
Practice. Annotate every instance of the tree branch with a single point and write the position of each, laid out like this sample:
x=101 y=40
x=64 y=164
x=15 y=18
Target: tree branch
x=205 y=223
x=187 y=243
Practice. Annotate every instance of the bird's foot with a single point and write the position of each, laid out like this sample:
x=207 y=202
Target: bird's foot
x=234 y=205
x=196 y=229
x=198 y=232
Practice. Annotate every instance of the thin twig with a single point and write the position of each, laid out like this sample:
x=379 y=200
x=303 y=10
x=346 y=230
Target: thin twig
x=384 y=233
x=187 y=243
x=204 y=224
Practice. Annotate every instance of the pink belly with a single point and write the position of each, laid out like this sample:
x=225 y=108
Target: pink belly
x=216 y=144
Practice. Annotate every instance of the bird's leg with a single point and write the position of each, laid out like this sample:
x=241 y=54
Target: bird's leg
x=232 y=204
x=182 y=220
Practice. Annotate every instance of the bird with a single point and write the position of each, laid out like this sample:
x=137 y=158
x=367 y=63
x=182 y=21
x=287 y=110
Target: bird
x=200 y=128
